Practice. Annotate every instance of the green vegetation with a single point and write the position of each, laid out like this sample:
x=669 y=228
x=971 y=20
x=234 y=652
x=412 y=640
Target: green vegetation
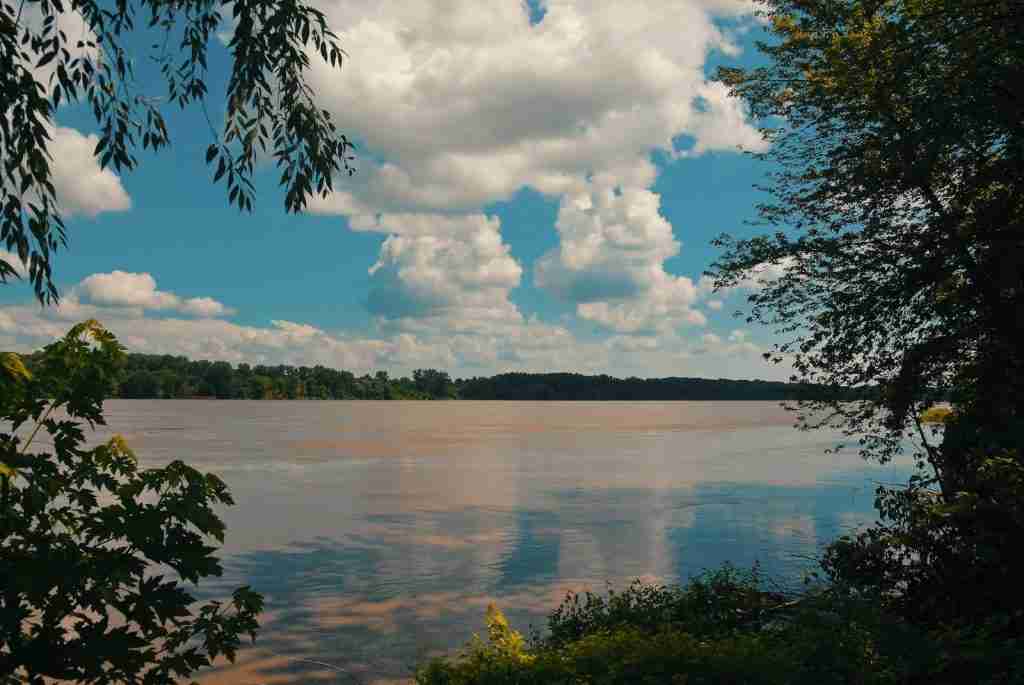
x=146 y=376
x=573 y=386
x=897 y=200
x=722 y=627
x=82 y=530
x=896 y=197
x=726 y=626
x=936 y=415
x=900 y=160
x=269 y=107
x=164 y=376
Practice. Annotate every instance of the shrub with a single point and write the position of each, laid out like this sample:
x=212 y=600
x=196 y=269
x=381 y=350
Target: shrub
x=944 y=563
x=715 y=603
x=720 y=628
x=935 y=415
x=88 y=539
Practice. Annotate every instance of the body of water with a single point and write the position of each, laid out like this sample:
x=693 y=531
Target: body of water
x=380 y=531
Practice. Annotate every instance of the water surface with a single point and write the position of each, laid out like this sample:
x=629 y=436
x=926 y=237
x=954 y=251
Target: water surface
x=380 y=531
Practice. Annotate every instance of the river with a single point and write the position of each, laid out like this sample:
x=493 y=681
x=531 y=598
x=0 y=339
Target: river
x=380 y=531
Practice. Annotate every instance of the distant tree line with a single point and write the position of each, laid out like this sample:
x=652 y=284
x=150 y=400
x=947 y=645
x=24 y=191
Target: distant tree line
x=150 y=376
x=574 y=386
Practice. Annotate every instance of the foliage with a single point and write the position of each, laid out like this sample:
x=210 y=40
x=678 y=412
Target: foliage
x=898 y=199
x=150 y=376
x=147 y=376
x=574 y=386
x=715 y=603
x=87 y=537
x=269 y=105
x=434 y=383
x=721 y=628
x=936 y=415
x=949 y=564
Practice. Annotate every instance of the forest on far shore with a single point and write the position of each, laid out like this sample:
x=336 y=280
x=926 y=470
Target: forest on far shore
x=150 y=376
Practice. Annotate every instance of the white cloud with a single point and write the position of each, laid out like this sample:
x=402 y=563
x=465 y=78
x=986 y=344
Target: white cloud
x=720 y=123
x=73 y=25
x=738 y=335
x=466 y=272
x=7 y=323
x=528 y=345
x=298 y=331
x=757 y=278
x=460 y=104
x=205 y=307
x=82 y=187
x=137 y=290
x=610 y=262
x=736 y=346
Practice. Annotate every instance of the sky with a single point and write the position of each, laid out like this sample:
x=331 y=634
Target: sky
x=537 y=188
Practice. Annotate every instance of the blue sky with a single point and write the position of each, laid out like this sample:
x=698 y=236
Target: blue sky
x=537 y=189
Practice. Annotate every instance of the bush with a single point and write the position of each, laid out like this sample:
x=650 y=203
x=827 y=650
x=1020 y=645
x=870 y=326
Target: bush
x=945 y=564
x=713 y=604
x=87 y=538
x=722 y=627
x=935 y=415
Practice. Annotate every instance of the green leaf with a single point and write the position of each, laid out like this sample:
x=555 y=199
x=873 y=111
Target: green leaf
x=221 y=168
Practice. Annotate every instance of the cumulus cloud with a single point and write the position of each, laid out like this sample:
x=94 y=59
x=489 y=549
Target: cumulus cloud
x=204 y=307
x=757 y=278
x=138 y=290
x=610 y=262
x=82 y=186
x=460 y=104
x=736 y=346
x=466 y=272
x=530 y=345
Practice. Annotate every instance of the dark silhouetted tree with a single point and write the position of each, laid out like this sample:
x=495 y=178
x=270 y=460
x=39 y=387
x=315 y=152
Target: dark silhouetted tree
x=269 y=105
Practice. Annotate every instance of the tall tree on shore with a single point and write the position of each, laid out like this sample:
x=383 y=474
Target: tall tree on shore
x=897 y=138
x=270 y=107
x=897 y=199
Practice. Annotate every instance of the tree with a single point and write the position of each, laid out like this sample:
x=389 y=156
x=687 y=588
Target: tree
x=434 y=383
x=897 y=138
x=83 y=528
x=898 y=199
x=269 y=104
x=219 y=376
x=141 y=384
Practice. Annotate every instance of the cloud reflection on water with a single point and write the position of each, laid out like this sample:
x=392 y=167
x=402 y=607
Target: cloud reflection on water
x=380 y=531
x=404 y=586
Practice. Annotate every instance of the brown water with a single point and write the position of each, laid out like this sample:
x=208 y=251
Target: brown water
x=379 y=531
